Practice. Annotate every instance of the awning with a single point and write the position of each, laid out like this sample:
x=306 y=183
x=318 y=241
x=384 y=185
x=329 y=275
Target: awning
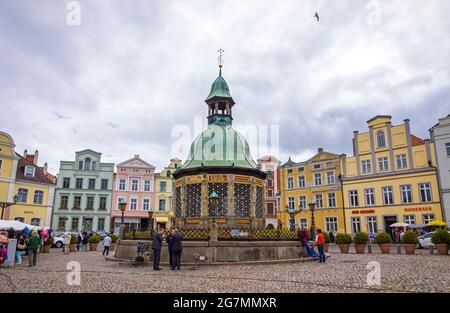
x=162 y=219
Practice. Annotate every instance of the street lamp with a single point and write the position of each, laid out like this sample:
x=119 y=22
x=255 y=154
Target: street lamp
x=312 y=207
x=150 y=219
x=214 y=198
x=122 y=207
x=292 y=214
x=7 y=204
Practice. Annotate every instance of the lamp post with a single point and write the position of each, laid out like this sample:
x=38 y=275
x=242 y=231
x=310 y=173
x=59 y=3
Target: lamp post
x=8 y=204
x=292 y=214
x=312 y=207
x=122 y=207
x=150 y=219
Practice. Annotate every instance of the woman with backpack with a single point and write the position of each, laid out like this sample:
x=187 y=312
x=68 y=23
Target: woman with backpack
x=20 y=248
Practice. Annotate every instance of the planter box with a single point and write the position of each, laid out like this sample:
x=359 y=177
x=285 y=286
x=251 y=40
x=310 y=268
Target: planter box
x=442 y=249
x=344 y=248
x=410 y=248
x=112 y=247
x=73 y=248
x=385 y=248
x=325 y=247
x=93 y=246
x=360 y=247
x=46 y=249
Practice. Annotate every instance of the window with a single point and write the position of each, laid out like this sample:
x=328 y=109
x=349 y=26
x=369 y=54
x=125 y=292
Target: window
x=64 y=201
x=122 y=184
x=101 y=224
x=428 y=218
x=62 y=223
x=330 y=178
x=316 y=166
x=289 y=171
x=383 y=165
x=302 y=202
x=22 y=195
x=301 y=182
x=1 y=162
x=331 y=224
x=35 y=221
x=406 y=193
x=90 y=203
x=162 y=204
x=301 y=169
x=75 y=223
x=94 y=165
x=318 y=179
x=104 y=184
x=162 y=186
x=290 y=183
x=410 y=219
x=401 y=161
x=303 y=223
x=168 y=174
x=66 y=182
x=87 y=164
x=381 y=140
x=319 y=201
x=29 y=171
x=447 y=148
x=134 y=185
x=291 y=203
x=369 y=195
x=270 y=193
x=269 y=182
x=102 y=205
x=356 y=225
x=38 y=197
x=353 y=194
x=372 y=224
x=388 y=197
x=77 y=202
x=366 y=168
x=331 y=200
x=91 y=183
x=146 y=204
x=270 y=209
x=133 y=204
x=329 y=164
x=425 y=192
x=79 y=183
x=80 y=165
x=119 y=201
x=20 y=219
x=147 y=185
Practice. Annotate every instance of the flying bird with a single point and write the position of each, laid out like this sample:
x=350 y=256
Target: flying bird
x=316 y=16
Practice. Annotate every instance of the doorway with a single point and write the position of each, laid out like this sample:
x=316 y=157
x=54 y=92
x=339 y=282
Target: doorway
x=388 y=221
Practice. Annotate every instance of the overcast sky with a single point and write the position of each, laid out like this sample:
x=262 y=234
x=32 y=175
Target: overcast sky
x=133 y=70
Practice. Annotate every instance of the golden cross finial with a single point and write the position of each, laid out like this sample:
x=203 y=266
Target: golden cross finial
x=220 y=58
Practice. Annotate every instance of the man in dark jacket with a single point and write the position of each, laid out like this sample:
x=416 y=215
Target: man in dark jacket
x=177 y=248
x=169 y=241
x=156 y=247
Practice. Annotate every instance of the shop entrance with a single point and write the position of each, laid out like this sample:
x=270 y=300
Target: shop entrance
x=388 y=221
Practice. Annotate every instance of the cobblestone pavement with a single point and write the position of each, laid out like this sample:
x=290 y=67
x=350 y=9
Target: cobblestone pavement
x=341 y=273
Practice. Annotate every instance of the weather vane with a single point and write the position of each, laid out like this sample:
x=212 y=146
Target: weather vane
x=220 y=58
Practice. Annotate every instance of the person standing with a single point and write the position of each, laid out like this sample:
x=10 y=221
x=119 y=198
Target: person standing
x=169 y=241
x=332 y=236
x=106 y=244
x=21 y=247
x=33 y=247
x=79 y=241
x=156 y=247
x=320 y=242
x=66 y=249
x=85 y=242
x=177 y=248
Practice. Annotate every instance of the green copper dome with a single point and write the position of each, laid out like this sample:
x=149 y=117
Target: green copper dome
x=219 y=145
x=219 y=88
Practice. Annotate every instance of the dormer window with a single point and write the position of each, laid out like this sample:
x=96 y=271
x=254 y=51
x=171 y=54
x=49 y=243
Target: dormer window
x=168 y=174
x=80 y=165
x=87 y=164
x=29 y=171
x=381 y=140
x=94 y=165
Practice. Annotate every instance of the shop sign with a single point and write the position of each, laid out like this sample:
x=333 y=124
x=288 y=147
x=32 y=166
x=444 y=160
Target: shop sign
x=191 y=221
x=194 y=179
x=216 y=178
x=363 y=211
x=242 y=221
x=420 y=209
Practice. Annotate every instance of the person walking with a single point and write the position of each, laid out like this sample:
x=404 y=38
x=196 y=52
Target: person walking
x=156 y=247
x=169 y=241
x=79 y=241
x=320 y=242
x=66 y=245
x=177 y=248
x=106 y=244
x=20 y=248
x=85 y=242
x=332 y=236
x=33 y=247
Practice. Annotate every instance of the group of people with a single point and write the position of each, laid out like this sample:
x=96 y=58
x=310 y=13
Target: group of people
x=175 y=246
x=29 y=242
x=308 y=249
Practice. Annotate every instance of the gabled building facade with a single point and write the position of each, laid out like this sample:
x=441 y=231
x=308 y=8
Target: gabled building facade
x=8 y=169
x=134 y=184
x=84 y=194
x=269 y=164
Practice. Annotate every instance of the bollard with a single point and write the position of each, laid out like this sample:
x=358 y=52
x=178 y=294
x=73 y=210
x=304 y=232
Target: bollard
x=369 y=249
x=431 y=250
x=399 y=249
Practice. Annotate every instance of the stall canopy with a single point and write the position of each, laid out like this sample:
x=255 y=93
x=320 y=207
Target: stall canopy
x=400 y=225
x=437 y=223
x=17 y=225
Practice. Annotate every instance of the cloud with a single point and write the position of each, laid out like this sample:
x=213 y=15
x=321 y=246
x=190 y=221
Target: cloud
x=132 y=71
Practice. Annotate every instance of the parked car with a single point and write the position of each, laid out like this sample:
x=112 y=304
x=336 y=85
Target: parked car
x=58 y=239
x=425 y=241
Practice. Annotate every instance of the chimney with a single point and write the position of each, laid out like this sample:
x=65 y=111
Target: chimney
x=25 y=152
x=36 y=155
x=45 y=168
x=136 y=155
x=320 y=150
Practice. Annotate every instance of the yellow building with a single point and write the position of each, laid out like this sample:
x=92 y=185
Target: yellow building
x=8 y=166
x=34 y=190
x=391 y=178
x=318 y=179
x=164 y=199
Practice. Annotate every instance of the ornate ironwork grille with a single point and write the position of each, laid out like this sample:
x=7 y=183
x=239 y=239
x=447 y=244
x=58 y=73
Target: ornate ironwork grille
x=259 y=210
x=193 y=200
x=242 y=200
x=178 y=202
x=221 y=209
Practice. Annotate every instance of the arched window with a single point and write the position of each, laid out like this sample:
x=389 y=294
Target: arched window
x=381 y=140
x=87 y=164
x=20 y=219
x=36 y=221
x=168 y=174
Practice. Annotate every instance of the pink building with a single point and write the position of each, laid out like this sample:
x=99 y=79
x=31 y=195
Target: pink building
x=134 y=183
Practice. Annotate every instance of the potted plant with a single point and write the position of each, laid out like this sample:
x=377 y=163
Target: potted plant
x=343 y=241
x=441 y=239
x=93 y=242
x=326 y=237
x=73 y=243
x=48 y=244
x=114 y=239
x=361 y=240
x=410 y=240
x=383 y=240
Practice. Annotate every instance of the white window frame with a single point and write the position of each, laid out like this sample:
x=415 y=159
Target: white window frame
x=425 y=187
x=383 y=164
x=120 y=200
x=20 y=196
x=333 y=198
x=135 y=204
x=303 y=223
x=41 y=197
x=426 y=218
x=331 y=179
x=381 y=139
x=290 y=183
x=291 y=204
x=317 y=179
x=301 y=181
x=372 y=224
x=119 y=186
x=356 y=224
x=38 y=221
x=302 y=202
x=406 y=189
x=386 y=191
x=366 y=166
x=319 y=200
x=143 y=204
x=331 y=224
x=401 y=161
x=369 y=193
x=133 y=180
x=26 y=173
x=147 y=183
x=409 y=219
x=353 y=198
x=165 y=205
